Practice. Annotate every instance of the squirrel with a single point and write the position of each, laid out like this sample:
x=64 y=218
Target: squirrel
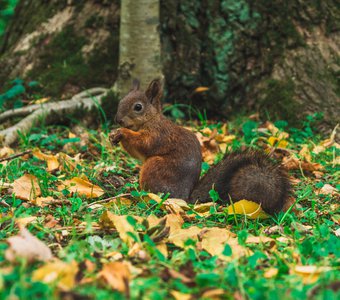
x=172 y=158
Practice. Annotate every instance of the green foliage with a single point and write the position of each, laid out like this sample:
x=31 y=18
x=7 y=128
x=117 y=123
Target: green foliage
x=6 y=12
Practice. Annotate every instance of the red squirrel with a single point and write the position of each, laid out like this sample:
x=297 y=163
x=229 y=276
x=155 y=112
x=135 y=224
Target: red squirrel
x=172 y=158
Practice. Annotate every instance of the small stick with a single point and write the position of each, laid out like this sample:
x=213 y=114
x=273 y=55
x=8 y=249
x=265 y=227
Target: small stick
x=15 y=155
x=107 y=199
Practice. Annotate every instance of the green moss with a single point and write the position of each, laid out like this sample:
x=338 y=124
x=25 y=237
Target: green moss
x=62 y=63
x=278 y=100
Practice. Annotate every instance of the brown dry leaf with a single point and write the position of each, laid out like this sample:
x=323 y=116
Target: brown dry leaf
x=327 y=189
x=22 y=222
x=174 y=222
x=180 y=236
x=64 y=274
x=110 y=220
x=26 y=187
x=248 y=208
x=220 y=138
x=51 y=160
x=43 y=201
x=293 y=163
x=82 y=187
x=270 y=273
x=117 y=275
x=310 y=273
x=201 y=89
x=6 y=152
x=180 y=296
x=174 y=205
x=305 y=154
x=67 y=163
x=260 y=240
x=27 y=246
x=213 y=240
x=214 y=294
x=204 y=207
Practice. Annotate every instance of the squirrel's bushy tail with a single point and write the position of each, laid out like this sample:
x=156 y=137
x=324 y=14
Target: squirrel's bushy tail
x=247 y=175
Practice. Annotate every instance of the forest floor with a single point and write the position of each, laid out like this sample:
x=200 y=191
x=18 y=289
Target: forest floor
x=74 y=224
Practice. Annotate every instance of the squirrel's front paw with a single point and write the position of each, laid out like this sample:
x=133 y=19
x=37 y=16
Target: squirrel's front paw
x=115 y=136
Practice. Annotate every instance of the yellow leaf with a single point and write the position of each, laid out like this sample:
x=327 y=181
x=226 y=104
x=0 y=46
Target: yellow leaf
x=108 y=219
x=309 y=273
x=24 y=221
x=180 y=296
x=43 y=201
x=180 y=236
x=26 y=187
x=282 y=144
x=51 y=160
x=116 y=275
x=270 y=273
x=225 y=138
x=57 y=271
x=6 y=151
x=40 y=101
x=249 y=208
x=272 y=140
x=82 y=187
x=214 y=240
x=201 y=89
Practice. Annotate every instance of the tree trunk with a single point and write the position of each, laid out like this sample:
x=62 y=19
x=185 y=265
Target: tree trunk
x=280 y=57
x=139 y=43
x=67 y=46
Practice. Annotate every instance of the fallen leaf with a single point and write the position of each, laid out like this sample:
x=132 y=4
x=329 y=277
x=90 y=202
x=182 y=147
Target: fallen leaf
x=270 y=273
x=180 y=296
x=120 y=223
x=6 y=152
x=214 y=294
x=64 y=274
x=327 y=189
x=51 y=160
x=26 y=187
x=293 y=163
x=305 y=154
x=201 y=89
x=180 y=236
x=27 y=246
x=43 y=201
x=24 y=221
x=309 y=273
x=214 y=240
x=82 y=187
x=260 y=240
x=117 y=275
x=248 y=208
x=204 y=207
x=67 y=163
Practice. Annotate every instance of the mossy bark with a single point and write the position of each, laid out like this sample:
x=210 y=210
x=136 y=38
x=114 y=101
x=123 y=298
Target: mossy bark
x=274 y=56
x=67 y=46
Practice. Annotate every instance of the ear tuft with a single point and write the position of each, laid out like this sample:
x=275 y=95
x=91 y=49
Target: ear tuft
x=135 y=84
x=154 y=92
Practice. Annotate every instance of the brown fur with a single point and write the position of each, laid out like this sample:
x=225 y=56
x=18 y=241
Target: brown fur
x=171 y=157
x=247 y=175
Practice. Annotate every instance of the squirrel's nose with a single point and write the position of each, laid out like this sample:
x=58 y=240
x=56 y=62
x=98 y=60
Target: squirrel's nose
x=118 y=120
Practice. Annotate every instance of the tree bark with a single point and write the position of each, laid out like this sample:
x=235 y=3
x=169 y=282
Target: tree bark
x=139 y=43
x=280 y=57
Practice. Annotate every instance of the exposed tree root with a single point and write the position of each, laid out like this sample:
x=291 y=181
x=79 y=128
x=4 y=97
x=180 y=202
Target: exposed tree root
x=84 y=101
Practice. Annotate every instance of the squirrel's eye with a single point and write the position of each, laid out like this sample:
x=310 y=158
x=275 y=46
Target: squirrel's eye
x=138 y=107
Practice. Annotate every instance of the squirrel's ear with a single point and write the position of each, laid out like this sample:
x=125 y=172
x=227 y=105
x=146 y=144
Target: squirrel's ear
x=154 y=93
x=135 y=84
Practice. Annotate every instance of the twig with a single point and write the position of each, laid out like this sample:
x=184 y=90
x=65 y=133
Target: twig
x=82 y=101
x=15 y=155
x=107 y=199
x=3 y=203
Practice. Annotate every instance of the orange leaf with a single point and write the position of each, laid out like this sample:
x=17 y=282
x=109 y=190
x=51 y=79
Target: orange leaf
x=26 y=187
x=51 y=160
x=201 y=89
x=82 y=187
x=117 y=275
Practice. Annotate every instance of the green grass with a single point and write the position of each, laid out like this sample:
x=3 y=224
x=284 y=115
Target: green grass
x=242 y=278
